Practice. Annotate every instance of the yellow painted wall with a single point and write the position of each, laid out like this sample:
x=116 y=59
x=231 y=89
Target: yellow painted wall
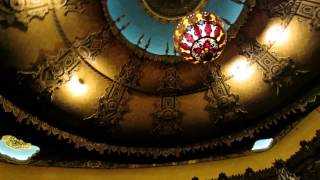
x=287 y=146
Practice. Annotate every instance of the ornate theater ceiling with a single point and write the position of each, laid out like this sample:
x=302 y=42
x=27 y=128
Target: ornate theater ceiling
x=102 y=81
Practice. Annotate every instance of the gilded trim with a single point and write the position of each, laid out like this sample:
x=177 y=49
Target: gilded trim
x=24 y=117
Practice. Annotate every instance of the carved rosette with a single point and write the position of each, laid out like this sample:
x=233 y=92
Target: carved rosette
x=277 y=71
x=167 y=118
x=23 y=11
x=222 y=104
x=113 y=104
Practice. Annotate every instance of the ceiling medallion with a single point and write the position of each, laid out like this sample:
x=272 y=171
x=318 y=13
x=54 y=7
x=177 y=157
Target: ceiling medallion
x=200 y=37
x=171 y=10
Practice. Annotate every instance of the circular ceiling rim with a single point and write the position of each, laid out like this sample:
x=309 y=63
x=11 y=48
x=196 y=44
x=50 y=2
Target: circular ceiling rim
x=168 y=59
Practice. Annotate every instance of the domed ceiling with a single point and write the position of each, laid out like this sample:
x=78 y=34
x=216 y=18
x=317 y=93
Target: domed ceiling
x=103 y=76
x=153 y=32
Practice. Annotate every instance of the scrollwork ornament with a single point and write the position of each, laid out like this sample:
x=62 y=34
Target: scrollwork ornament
x=113 y=104
x=302 y=105
x=23 y=11
x=111 y=108
x=167 y=118
x=284 y=9
x=92 y=45
x=309 y=11
x=52 y=71
x=277 y=71
x=304 y=10
x=222 y=104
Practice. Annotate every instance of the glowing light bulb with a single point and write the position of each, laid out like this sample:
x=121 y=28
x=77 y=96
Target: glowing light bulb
x=277 y=33
x=76 y=86
x=241 y=70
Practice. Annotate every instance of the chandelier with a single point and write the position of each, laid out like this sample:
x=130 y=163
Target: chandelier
x=200 y=37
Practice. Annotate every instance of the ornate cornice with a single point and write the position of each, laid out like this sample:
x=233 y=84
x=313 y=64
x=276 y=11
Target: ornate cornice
x=302 y=105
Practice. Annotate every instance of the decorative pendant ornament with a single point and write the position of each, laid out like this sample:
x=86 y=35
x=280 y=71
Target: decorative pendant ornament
x=200 y=37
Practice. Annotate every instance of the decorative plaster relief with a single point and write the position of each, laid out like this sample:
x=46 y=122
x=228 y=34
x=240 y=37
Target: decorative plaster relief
x=277 y=71
x=23 y=11
x=167 y=118
x=53 y=71
x=306 y=10
x=222 y=104
x=113 y=104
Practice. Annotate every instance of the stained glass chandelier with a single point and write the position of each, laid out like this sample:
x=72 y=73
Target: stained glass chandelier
x=200 y=37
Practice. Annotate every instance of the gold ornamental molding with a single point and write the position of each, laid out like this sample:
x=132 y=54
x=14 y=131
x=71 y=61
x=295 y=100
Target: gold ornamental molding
x=300 y=106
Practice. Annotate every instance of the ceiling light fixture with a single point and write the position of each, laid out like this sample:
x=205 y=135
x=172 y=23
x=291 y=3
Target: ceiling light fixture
x=200 y=37
x=262 y=144
x=277 y=33
x=241 y=70
x=76 y=86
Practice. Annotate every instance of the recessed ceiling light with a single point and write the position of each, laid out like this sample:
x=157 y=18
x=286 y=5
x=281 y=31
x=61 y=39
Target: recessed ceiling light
x=241 y=70
x=77 y=86
x=262 y=144
x=277 y=33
